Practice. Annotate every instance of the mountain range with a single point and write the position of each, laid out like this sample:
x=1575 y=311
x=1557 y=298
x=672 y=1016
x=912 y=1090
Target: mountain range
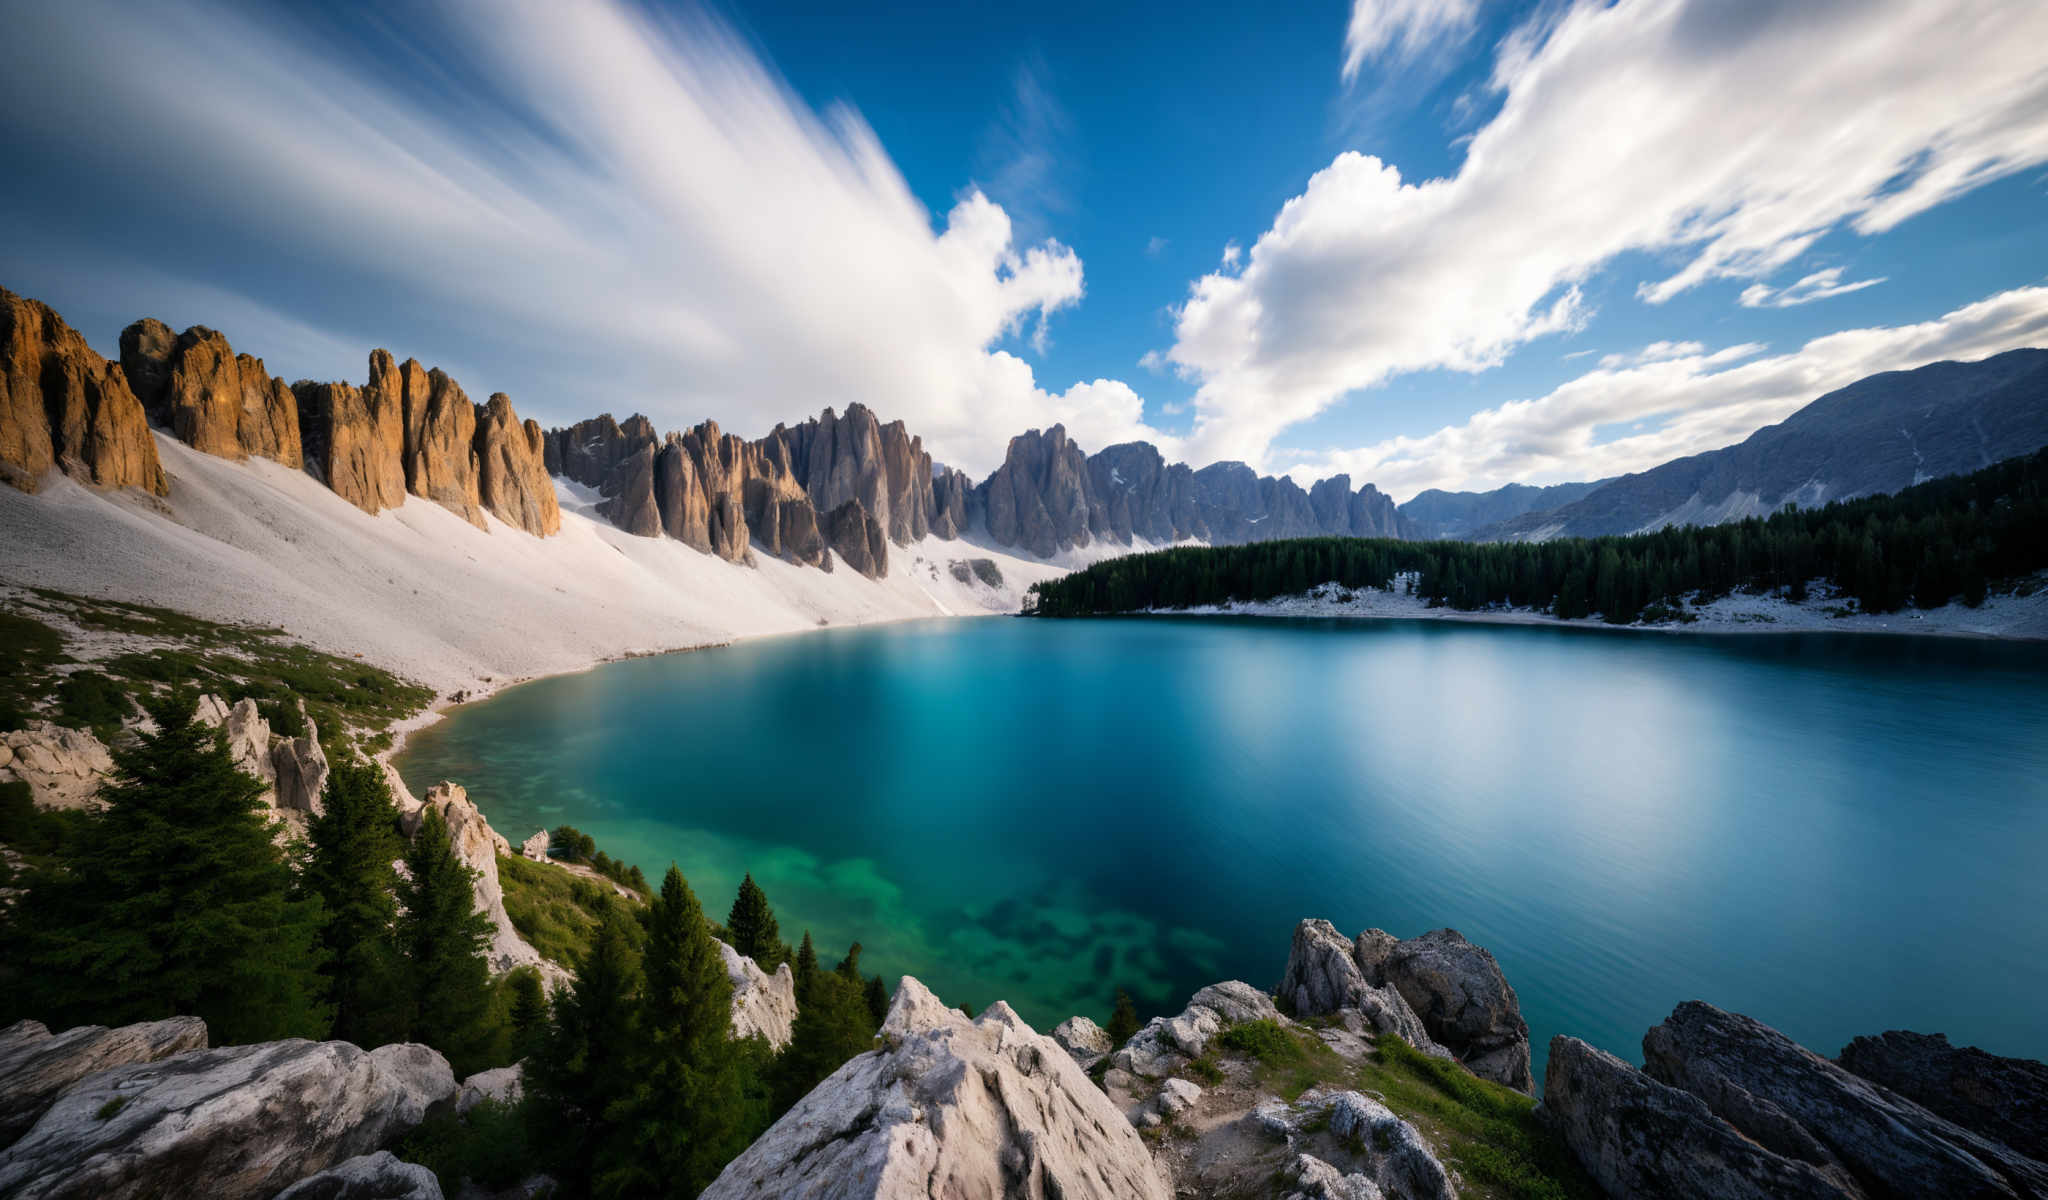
x=1877 y=435
x=842 y=488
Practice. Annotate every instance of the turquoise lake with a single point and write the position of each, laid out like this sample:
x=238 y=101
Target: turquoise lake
x=1835 y=834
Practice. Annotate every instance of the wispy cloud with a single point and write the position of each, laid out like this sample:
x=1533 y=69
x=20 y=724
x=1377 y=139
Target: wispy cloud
x=1818 y=286
x=1403 y=30
x=611 y=209
x=1723 y=138
x=1696 y=400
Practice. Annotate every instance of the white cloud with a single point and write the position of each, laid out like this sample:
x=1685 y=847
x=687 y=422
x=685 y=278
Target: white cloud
x=1155 y=246
x=1152 y=361
x=1402 y=29
x=610 y=209
x=1725 y=138
x=1232 y=254
x=1818 y=286
x=1694 y=401
x=1654 y=352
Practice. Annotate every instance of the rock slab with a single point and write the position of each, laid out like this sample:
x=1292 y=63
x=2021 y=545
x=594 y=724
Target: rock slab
x=948 y=1106
x=379 y=1176
x=238 y=1123
x=2004 y=1099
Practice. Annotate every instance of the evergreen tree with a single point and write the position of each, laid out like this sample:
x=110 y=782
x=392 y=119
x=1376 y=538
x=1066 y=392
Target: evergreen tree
x=1123 y=1019
x=694 y=1106
x=751 y=926
x=354 y=843
x=878 y=1000
x=444 y=939
x=586 y=1069
x=174 y=899
x=806 y=965
x=529 y=1012
x=834 y=1022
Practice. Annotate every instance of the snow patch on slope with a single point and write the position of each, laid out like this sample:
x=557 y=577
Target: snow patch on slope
x=420 y=591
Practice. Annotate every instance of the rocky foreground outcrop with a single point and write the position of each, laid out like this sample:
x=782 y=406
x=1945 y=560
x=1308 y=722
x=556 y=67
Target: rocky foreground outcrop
x=948 y=1106
x=293 y=770
x=62 y=406
x=36 y=1066
x=763 y=1005
x=2004 y=1099
x=1440 y=992
x=379 y=1176
x=1727 y=1106
x=1164 y=1044
x=237 y=1123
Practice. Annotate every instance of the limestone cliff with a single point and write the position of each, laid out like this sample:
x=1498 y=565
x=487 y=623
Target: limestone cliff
x=63 y=406
x=211 y=398
x=512 y=474
x=353 y=441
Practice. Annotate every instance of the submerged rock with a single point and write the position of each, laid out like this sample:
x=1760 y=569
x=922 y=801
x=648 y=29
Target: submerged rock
x=36 y=1065
x=238 y=1123
x=2004 y=1099
x=1639 y=1138
x=948 y=1106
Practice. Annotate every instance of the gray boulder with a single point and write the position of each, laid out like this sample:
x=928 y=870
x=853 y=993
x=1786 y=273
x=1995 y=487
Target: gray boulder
x=1800 y=1105
x=2004 y=1099
x=763 y=1005
x=1314 y=1179
x=1403 y=1165
x=1639 y=1138
x=504 y=1085
x=1324 y=976
x=379 y=1176
x=948 y=1106
x=1084 y=1039
x=1463 y=999
x=1166 y=1042
x=36 y=1065
x=237 y=1123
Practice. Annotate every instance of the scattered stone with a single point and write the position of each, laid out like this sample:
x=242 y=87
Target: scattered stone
x=950 y=1106
x=379 y=1176
x=1176 y=1097
x=237 y=1123
x=36 y=1066
x=2004 y=1099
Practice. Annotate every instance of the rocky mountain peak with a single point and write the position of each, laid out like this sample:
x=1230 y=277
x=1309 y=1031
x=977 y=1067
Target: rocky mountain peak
x=63 y=406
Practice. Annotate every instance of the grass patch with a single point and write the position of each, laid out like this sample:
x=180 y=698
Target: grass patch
x=555 y=911
x=90 y=700
x=1286 y=1062
x=1488 y=1132
x=1206 y=1070
x=111 y=1108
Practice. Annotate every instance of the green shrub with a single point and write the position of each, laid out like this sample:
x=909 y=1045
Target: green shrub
x=487 y=1146
x=90 y=700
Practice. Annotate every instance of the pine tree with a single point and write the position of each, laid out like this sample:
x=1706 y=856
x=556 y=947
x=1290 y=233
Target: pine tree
x=354 y=843
x=751 y=926
x=849 y=967
x=1123 y=1019
x=175 y=899
x=586 y=1069
x=834 y=1022
x=878 y=1000
x=529 y=1012
x=806 y=966
x=695 y=1105
x=444 y=939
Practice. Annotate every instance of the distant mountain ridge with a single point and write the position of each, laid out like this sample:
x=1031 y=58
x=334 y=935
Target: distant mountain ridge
x=1439 y=514
x=1877 y=435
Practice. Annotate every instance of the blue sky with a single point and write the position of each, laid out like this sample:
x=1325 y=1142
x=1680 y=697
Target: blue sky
x=1475 y=242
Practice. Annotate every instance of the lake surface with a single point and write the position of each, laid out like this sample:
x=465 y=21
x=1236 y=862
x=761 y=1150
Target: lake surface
x=1835 y=834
